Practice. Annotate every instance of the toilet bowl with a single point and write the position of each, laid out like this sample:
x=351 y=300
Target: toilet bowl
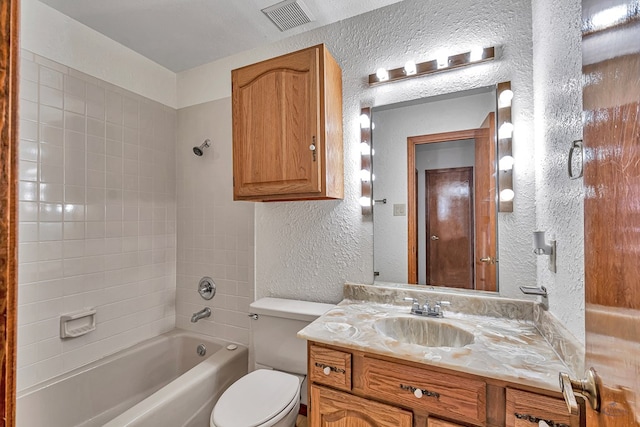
x=271 y=397
x=263 y=398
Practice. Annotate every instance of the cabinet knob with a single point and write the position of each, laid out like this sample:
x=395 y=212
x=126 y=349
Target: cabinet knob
x=326 y=370
x=312 y=147
x=417 y=393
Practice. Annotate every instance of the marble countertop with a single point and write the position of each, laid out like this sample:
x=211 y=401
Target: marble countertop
x=504 y=349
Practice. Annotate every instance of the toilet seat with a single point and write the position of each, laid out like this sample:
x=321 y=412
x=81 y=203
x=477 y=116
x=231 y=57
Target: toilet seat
x=257 y=398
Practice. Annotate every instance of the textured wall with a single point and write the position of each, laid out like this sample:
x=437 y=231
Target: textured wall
x=393 y=126
x=49 y=33
x=97 y=217
x=308 y=250
x=215 y=234
x=559 y=200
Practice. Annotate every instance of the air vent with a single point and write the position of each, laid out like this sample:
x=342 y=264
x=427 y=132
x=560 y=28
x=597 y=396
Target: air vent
x=288 y=14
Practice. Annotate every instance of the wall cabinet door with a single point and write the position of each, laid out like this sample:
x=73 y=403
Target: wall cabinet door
x=330 y=408
x=287 y=128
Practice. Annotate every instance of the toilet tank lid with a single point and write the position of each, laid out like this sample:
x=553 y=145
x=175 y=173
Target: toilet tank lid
x=290 y=309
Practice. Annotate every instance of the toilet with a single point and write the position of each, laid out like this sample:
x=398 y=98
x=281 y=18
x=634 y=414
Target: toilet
x=270 y=395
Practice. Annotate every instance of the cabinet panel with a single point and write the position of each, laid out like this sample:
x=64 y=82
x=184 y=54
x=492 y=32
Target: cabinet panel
x=330 y=367
x=434 y=422
x=330 y=408
x=437 y=393
x=524 y=409
x=286 y=111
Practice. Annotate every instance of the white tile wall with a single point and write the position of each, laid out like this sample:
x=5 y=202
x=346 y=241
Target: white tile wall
x=97 y=217
x=215 y=234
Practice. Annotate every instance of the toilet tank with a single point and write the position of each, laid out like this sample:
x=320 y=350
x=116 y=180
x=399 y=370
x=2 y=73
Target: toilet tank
x=275 y=343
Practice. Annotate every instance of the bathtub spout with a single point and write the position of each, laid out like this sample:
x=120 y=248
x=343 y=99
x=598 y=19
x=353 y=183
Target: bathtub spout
x=205 y=312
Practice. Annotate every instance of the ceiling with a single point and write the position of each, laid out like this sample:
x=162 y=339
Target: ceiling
x=182 y=34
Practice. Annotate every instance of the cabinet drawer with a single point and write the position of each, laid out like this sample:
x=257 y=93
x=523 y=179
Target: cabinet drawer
x=525 y=409
x=330 y=367
x=441 y=394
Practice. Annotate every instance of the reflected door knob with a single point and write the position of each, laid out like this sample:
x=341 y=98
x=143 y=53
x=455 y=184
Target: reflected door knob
x=434 y=237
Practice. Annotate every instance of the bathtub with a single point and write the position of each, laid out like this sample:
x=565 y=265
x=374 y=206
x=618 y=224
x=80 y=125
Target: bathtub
x=159 y=382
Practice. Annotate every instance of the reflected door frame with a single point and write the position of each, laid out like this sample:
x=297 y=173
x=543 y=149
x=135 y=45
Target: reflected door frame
x=412 y=202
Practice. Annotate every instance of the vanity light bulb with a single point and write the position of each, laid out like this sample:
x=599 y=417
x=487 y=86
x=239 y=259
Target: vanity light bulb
x=365 y=175
x=364 y=121
x=507 y=195
x=504 y=100
x=410 y=68
x=365 y=201
x=382 y=74
x=506 y=163
x=476 y=54
x=365 y=148
x=505 y=131
x=443 y=61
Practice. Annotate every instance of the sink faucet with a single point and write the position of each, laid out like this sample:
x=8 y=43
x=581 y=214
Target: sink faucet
x=205 y=312
x=427 y=310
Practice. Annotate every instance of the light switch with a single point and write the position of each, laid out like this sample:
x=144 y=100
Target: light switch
x=400 y=210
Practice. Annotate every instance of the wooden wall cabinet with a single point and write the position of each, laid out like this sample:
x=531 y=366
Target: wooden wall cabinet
x=351 y=388
x=287 y=128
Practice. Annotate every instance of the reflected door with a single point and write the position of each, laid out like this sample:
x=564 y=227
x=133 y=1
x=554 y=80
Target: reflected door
x=449 y=226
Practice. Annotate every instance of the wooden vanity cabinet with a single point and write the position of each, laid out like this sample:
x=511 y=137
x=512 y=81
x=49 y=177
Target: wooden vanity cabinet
x=351 y=388
x=287 y=128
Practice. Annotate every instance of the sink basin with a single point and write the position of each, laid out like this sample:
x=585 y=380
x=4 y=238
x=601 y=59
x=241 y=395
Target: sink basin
x=423 y=331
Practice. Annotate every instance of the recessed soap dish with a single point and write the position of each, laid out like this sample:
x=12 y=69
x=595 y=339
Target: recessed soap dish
x=77 y=323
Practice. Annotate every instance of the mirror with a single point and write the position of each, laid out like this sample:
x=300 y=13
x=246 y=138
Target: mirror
x=435 y=220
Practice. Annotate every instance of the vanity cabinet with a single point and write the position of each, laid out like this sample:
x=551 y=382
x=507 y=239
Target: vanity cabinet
x=356 y=388
x=287 y=128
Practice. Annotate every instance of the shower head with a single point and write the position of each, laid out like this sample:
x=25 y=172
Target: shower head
x=198 y=150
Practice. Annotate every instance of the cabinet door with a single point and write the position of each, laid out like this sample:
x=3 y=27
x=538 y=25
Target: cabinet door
x=276 y=122
x=330 y=408
x=434 y=422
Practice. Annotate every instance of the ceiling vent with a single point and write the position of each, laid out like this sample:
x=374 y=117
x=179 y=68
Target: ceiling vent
x=288 y=14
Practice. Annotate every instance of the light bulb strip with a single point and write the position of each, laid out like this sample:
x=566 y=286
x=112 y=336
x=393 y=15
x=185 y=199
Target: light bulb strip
x=505 y=148
x=430 y=67
x=366 y=185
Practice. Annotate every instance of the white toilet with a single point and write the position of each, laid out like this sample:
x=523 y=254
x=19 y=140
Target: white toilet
x=271 y=397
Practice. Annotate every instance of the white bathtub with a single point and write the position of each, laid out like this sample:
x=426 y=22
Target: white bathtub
x=159 y=382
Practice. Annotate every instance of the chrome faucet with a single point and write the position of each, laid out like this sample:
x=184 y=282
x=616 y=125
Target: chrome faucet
x=427 y=310
x=205 y=312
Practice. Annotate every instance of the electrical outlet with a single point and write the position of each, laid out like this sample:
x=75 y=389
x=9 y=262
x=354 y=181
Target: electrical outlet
x=400 y=210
